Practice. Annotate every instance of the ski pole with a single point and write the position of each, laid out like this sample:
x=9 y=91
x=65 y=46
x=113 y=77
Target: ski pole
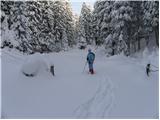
x=84 y=67
x=154 y=70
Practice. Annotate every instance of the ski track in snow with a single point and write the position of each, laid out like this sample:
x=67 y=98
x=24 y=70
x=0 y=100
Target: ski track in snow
x=100 y=104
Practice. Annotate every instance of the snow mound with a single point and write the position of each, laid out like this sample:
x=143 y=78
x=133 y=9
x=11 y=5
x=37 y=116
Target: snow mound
x=35 y=64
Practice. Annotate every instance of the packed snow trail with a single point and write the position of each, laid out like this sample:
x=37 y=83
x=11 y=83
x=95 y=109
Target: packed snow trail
x=119 y=89
x=100 y=104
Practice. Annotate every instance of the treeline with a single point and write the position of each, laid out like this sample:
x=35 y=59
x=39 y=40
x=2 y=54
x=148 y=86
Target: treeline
x=47 y=26
x=121 y=26
x=37 y=26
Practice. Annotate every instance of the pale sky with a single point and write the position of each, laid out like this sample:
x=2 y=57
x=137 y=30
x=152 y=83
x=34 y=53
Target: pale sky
x=77 y=4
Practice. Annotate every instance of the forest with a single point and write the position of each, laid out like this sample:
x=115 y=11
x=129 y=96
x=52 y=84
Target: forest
x=51 y=26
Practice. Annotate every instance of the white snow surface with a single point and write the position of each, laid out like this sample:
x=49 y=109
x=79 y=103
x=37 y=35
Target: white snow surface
x=119 y=89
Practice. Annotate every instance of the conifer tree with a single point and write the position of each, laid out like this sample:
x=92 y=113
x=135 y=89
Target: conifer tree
x=85 y=23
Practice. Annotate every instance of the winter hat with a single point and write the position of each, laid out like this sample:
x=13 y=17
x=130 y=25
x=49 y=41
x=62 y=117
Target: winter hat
x=89 y=50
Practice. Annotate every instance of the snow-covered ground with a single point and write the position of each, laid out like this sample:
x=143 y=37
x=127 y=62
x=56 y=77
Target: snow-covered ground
x=119 y=89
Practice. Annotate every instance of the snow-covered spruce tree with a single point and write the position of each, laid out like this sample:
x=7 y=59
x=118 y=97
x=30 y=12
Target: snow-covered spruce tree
x=85 y=23
x=59 y=25
x=76 y=28
x=151 y=18
x=45 y=29
x=105 y=26
x=96 y=21
x=136 y=26
x=34 y=23
x=101 y=20
x=56 y=29
x=10 y=27
x=6 y=11
x=121 y=20
x=69 y=24
x=41 y=26
x=122 y=47
x=109 y=45
x=63 y=26
x=20 y=25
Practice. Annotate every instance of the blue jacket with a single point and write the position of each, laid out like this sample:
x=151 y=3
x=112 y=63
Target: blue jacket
x=90 y=57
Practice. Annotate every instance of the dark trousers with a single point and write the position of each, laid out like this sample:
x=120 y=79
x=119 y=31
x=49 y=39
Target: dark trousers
x=91 y=68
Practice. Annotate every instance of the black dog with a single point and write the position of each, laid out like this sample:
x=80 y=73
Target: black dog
x=52 y=70
x=148 y=69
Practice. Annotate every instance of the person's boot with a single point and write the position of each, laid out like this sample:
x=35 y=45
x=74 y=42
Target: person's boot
x=92 y=72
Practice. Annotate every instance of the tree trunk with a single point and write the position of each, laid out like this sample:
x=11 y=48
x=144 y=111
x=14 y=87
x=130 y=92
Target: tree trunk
x=135 y=47
x=129 y=38
x=157 y=34
x=129 y=47
x=147 y=40
x=139 y=44
x=113 y=52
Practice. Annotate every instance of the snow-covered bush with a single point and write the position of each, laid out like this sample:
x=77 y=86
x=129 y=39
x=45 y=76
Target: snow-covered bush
x=35 y=64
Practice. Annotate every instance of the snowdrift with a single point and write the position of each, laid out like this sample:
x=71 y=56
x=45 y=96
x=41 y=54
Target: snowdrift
x=35 y=64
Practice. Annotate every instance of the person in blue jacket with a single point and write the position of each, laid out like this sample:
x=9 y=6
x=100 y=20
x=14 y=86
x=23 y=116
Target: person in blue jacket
x=90 y=60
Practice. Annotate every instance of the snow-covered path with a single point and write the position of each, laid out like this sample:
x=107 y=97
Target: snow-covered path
x=100 y=104
x=119 y=89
